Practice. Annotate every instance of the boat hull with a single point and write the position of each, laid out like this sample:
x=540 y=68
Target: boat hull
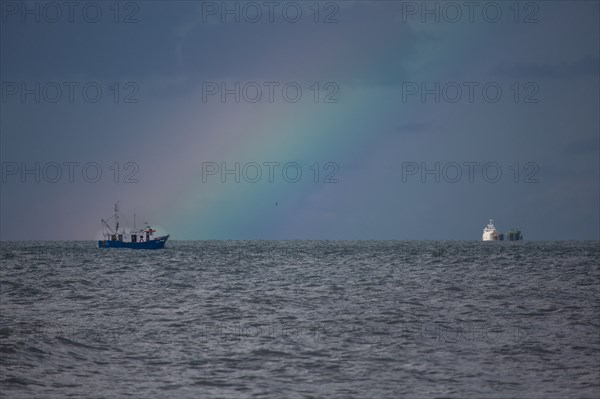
x=156 y=243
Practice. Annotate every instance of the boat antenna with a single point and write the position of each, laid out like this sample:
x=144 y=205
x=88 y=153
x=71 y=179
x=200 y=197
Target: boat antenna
x=134 y=221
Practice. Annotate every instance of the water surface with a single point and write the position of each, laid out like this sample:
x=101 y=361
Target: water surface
x=381 y=319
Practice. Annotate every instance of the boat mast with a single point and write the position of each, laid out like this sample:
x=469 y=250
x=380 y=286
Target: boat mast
x=116 y=218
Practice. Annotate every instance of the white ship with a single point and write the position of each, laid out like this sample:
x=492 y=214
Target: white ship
x=490 y=233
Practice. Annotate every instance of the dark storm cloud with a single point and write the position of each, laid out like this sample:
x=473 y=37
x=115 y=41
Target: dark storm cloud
x=589 y=145
x=569 y=172
x=172 y=41
x=585 y=67
x=416 y=128
x=95 y=50
x=304 y=50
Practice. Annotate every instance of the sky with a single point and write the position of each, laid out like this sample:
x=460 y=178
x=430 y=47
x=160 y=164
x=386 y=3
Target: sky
x=391 y=120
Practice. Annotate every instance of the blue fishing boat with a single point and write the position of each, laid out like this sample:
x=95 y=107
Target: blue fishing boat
x=134 y=239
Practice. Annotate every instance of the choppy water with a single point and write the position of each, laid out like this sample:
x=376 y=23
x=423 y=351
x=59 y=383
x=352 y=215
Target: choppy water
x=301 y=319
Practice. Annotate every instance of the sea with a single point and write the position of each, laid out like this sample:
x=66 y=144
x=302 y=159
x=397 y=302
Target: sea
x=301 y=319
